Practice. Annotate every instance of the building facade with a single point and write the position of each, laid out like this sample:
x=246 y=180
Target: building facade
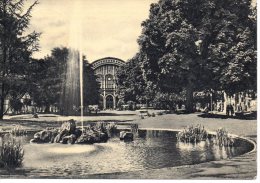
x=105 y=69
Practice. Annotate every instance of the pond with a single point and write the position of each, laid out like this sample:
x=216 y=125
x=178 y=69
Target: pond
x=151 y=149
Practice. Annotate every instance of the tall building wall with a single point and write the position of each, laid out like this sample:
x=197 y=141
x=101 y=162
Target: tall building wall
x=105 y=69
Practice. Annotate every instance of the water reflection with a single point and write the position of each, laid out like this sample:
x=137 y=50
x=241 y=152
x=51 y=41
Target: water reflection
x=149 y=150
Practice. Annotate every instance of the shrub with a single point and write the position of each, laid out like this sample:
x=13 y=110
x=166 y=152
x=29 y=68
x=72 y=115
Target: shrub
x=111 y=128
x=192 y=134
x=11 y=153
x=103 y=127
x=223 y=138
x=18 y=130
x=131 y=105
x=134 y=128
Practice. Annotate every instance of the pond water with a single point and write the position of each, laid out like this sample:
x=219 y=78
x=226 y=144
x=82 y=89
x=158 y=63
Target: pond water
x=149 y=150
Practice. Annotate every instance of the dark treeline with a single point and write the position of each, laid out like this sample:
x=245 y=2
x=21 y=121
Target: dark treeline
x=48 y=83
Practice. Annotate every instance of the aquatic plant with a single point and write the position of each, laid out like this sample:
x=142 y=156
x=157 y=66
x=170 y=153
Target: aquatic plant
x=11 y=152
x=134 y=128
x=111 y=127
x=223 y=138
x=103 y=127
x=18 y=130
x=192 y=134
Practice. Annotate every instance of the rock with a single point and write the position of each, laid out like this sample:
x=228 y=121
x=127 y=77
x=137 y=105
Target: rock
x=59 y=136
x=121 y=135
x=44 y=136
x=104 y=137
x=35 y=141
x=99 y=137
x=70 y=139
x=69 y=126
x=78 y=133
x=85 y=139
x=126 y=136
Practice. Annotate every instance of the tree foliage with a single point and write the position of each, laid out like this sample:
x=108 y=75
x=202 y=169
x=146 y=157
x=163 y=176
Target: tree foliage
x=49 y=78
x=130 y=81
x=16 y=48
x=91 y=86
x=195 y=45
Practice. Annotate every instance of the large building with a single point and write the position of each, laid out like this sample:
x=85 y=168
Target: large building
x=105 y=69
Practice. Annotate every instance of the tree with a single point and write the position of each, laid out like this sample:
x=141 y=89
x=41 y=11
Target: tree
x=91 y=86
x=191 y=45
x=234 y=61
x=16 y=48
x=50 y=83
x=47 y=78
x=130 y=81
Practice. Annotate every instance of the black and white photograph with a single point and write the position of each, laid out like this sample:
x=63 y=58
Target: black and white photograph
x=128 y=89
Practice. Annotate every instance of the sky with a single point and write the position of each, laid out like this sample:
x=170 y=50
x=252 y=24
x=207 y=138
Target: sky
x=100 y=28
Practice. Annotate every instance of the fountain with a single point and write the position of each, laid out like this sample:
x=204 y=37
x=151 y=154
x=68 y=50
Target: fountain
x=72 y=90
x=72 y=99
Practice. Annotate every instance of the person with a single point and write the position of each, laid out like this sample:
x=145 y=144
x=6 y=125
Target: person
x=35 y=115
x=232 y=109
x=227 y=110
x=219 y=107
x=239 y=108
x=206 y=110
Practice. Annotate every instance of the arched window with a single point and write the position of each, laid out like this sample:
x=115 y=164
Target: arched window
x=100 y=80
x=109 y=81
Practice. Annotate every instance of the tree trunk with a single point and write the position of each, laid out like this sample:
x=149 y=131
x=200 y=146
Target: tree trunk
x=47 y=109
x=2 y=100
x=189 y=98
x=4 y=49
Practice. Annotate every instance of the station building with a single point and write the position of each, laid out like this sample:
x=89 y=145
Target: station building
x=105 y=69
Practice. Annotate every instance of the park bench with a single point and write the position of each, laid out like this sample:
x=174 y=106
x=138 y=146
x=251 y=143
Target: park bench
x=143 y=113
x=181 y=111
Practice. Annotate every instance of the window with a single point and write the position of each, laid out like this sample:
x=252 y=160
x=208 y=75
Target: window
x=109 y=81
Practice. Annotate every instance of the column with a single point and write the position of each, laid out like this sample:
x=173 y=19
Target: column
x=114 y=102
x=225 y=102
x=104 y=102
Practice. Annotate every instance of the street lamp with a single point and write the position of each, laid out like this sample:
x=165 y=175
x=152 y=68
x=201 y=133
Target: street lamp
x=211 y=102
